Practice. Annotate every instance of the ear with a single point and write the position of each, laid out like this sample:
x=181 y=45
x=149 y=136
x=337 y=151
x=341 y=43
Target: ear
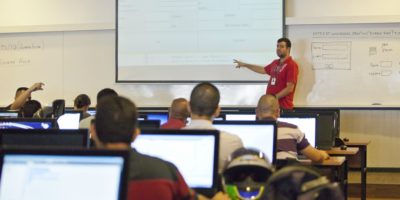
x=189 y=109
x=257 y=114
x=136 y=133
x=278 y=112
x=217 y=112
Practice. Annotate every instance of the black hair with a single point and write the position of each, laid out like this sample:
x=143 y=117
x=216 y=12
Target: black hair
x=82 y=100
x=204 y=99
x=285 y=40
x=106 y=92
x=116 y=119
x=30 y=108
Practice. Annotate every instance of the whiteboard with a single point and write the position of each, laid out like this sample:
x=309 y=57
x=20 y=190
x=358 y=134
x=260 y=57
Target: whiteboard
x=56 y=15
x=75 y=62
x=347 y=64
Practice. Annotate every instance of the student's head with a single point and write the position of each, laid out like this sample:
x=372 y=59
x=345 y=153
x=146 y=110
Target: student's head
x=116 y=121
x=30 y=108
x=267 y=107
x=283 y=47
x=204 y=100
x=246 y=173
x=82 y=102
x=106 y=92
x=179 y=109
x=19 y=91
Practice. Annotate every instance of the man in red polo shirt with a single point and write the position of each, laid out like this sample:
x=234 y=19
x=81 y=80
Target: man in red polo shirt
x=283 y=74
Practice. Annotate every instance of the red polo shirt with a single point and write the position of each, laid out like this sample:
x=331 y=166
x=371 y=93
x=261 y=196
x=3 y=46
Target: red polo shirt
x=280 y=75
x=173 y=124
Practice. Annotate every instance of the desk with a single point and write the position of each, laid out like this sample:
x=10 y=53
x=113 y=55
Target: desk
x=337 y=165
x=359 y=161
x=350 y=151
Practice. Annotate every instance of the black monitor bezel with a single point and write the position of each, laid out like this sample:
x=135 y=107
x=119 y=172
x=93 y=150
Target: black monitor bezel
x=84 y=133
x=156 y=123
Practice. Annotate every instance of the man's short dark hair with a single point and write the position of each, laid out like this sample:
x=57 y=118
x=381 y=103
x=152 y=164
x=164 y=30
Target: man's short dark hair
x=285 y=40
x=204 y=99
x=106 y=92
x=30 y=108
x=21 y=89
x=116 y=120
x=82 y=100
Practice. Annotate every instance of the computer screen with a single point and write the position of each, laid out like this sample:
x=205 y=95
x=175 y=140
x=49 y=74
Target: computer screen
x=8 y=114
x=149 y=124
x=306 y=123
x=92 y=112
x=162 y=116
x=49 y=176
x=240 y=117
x=69 y=120
x=254 y=134
x=26 y=123
x=194 y=153
x=44 y=138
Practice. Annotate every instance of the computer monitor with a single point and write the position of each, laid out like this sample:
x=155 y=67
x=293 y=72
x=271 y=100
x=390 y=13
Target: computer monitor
x=334 y=112
x=48 y=174
x=307 y=123
x=44 y=138
x=92 y=111
x=327 y=127
x=261 y=135
x=240 y=116
x=26 y=123
x=194 y=153
x=69 y=120
x=162 y=116
x=8 y=114
x=149 y=124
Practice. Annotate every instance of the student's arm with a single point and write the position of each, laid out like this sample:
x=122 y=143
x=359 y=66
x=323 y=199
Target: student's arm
x=314 y=154
x=255 y=68
x=21 y=99
x=287 y=90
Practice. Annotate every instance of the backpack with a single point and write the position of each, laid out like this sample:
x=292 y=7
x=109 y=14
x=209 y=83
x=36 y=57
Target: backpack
x=301 y=183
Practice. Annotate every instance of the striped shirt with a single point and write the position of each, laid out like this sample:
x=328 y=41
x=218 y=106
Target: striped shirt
x=290 y=141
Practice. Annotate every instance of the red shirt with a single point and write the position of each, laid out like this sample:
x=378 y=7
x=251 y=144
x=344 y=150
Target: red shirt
x=281 y=74
x=173 y=124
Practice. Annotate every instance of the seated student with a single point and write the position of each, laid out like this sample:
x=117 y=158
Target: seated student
x=290 y=138
x=149 y=178
x=85 y=123
x=30 y=108
x=22 y=95
x=203 y=105
x=82 y=103
x=178 y=114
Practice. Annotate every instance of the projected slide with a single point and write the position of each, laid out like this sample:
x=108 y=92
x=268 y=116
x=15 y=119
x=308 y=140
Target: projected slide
x=178 y=40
